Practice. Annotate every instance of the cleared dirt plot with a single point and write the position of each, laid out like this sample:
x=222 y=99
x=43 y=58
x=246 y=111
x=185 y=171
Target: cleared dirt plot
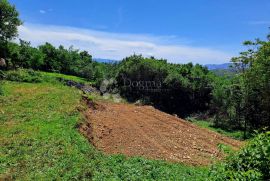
x=117 y=128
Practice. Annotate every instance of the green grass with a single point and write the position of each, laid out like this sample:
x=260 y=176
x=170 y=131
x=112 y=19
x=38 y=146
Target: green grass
x=39 y=141
x=63 y=76
x=209 y=125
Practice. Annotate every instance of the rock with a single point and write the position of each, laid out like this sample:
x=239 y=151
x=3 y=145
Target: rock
x=88 y=89
x=81 y=86
x=2 y=62
x=138 y=103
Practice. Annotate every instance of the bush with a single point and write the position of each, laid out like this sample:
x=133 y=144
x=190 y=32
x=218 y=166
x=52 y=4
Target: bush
x=251 y=163
x=22 y=75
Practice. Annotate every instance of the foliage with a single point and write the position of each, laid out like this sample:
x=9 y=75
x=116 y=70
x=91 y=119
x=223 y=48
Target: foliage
x=9 y=21
x=39 y=141
x=174 y=88
x=243 y=102
x=31 y=76
x=51 y=59
x=22 y=75
x=251 y=163
x=24 y=56
x=50 y=77
x=256 y=85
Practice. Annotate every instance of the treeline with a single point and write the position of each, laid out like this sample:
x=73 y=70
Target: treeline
x=175 y=88
x=52 y=59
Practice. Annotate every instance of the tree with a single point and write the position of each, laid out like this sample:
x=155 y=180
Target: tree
x=9 y=22
x=247 y=103
x=179 y=89
x=51 y=62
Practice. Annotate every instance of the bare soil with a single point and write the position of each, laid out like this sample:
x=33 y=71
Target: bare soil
x=117 y=128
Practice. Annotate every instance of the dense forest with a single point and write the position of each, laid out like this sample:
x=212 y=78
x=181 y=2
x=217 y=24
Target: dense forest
x=238 y=102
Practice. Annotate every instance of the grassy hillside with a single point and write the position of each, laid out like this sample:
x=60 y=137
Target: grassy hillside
x=39 y=140
x=209 y=125
x=63 y=76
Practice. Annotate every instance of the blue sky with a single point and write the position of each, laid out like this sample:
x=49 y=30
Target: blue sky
x=201 y=31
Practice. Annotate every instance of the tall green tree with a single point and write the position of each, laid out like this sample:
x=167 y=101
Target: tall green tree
x=9 y=22
x=246 y=104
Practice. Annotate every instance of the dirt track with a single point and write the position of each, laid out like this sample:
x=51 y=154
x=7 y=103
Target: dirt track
x=144 y=131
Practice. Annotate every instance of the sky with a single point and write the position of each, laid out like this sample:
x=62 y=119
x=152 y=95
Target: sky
x=198 y=31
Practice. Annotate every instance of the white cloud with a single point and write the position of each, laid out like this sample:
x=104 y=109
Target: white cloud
x=117 y=46
x=42 y=11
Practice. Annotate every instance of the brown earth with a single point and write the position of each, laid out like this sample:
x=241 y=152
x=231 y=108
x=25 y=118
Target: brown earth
x=117 y=128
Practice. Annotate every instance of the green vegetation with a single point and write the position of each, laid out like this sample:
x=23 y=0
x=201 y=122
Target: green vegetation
x=50 y=59
x=174 y=88
x=64 y=77
x=251 y=163
x=31 y=76
x=9 y=21
x=39 y=140
x=243 y=102
x=236 y=134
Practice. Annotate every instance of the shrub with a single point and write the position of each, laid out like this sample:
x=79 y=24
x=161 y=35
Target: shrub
x=22 y=75
x=251 y=163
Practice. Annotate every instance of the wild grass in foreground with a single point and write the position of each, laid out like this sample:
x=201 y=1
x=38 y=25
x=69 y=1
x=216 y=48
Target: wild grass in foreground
x=39 y=141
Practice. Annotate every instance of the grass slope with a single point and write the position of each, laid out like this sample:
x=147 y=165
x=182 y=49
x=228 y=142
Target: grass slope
x=209 y=125
x=63 y=76
x=39 y=141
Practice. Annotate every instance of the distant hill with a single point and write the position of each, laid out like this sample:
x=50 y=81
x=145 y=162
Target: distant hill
x=103 y=60
x=222 y=69
x=218 y=66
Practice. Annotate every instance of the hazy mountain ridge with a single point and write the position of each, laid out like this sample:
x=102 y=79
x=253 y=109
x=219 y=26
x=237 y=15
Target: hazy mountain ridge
x=218 y=66
x=104 y=60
